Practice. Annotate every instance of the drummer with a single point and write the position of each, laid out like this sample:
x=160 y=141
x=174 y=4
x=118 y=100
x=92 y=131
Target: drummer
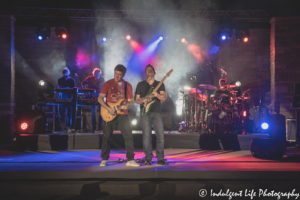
x=223 y=91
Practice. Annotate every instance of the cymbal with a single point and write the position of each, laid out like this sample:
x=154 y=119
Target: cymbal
x=242 y=97
x=207 y=87
x=193 y=91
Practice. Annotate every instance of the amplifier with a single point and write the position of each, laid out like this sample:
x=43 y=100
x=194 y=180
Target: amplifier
x=291 y=130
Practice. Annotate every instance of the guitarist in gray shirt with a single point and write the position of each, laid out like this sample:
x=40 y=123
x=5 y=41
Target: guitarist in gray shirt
x=151 y=115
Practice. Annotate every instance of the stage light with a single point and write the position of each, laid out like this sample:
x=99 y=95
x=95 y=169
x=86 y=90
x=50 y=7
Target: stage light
x=64 y=36
x=43 y=31
x=225 y=32
x=244 y=113
x=134 y=122
x=186 y=87
x=161 y=38
x=61 y=32
x=24 y=126
x=242 y=33
x=45 y=87
x=41 y=83
x=264 y=126
x=183 y=40
x=104 y=39
x=128 y=37
x=238 y=83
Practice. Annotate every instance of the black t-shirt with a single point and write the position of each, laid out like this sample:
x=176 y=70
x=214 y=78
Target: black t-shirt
x=142 y=89
x=63 y=83
x=219 y=92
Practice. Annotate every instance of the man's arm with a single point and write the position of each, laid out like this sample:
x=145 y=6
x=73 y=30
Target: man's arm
x=101 y=101
x=161 y=96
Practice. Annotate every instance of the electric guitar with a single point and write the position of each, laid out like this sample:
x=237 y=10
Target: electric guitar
x=106 y=116
x=145 y=109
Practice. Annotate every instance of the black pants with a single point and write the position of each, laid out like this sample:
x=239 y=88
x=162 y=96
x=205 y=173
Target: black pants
x=65 y=116
x=124 y=125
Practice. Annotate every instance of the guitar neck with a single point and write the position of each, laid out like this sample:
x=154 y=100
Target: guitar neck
x=138 y=100
x=155 y=89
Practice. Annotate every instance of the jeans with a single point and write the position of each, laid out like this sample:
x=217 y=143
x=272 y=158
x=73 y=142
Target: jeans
x=124 y=125
x=65 y=115
x=155 y=120
x=94 y=118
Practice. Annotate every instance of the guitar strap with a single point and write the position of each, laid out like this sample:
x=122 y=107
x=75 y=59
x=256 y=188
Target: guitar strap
x=125 y=89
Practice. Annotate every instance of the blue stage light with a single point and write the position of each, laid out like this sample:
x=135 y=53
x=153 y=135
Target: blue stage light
x=104 y=39
x=40 y=37
x=161 y=38
x=224 y=37
x=264 y=126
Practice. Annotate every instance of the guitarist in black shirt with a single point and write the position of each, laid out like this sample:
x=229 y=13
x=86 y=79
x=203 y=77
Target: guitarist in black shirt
x=151 y=115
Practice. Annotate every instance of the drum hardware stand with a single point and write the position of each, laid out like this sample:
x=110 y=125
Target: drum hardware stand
x=196 y=95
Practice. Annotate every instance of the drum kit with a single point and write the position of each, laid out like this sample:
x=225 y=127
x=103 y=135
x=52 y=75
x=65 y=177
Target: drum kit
x=208 y=113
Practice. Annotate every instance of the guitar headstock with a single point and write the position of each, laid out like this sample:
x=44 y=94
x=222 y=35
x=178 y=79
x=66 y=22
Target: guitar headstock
x=169 y=73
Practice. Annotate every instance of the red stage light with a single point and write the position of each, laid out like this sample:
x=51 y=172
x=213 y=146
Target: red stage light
x=128 y=37
x=24 y=126
x=64 y=36
x=246 y=39
x=244 y=113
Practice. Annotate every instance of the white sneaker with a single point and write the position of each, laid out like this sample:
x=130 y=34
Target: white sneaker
x=103 y=163
x=132 y=163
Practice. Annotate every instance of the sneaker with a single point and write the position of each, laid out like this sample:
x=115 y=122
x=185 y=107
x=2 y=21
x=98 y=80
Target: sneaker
x=162 y=162
x=147 y=162
x=132 y=163
x=103 y=163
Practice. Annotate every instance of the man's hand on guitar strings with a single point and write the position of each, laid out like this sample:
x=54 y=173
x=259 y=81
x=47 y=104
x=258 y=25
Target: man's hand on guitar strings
x=111 y=111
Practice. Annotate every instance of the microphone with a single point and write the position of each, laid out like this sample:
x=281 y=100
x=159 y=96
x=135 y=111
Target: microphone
x=212 y=66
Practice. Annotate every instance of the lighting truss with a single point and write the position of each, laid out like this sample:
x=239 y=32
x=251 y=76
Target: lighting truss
x=142 y=15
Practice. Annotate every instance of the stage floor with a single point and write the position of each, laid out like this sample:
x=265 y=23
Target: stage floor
x=77 y=172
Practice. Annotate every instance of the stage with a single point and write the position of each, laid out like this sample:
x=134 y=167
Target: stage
x=173 y=139
x=76 y=173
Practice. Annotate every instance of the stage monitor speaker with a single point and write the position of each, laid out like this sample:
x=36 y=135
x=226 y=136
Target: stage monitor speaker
x=209 y=142
x=291 y=130
x=268 y=148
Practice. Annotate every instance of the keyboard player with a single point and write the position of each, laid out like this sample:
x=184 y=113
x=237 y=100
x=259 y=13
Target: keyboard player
x=65 y=111
x=95 y=82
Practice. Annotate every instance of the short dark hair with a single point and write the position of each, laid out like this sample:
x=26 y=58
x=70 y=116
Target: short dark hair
x=121 y=68
x=151 y=67
x=222 y=80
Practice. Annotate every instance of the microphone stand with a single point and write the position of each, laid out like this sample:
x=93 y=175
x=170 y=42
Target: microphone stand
x=81 y=117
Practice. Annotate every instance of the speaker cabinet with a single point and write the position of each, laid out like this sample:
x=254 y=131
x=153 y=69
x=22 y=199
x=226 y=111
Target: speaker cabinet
x=268 y=148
